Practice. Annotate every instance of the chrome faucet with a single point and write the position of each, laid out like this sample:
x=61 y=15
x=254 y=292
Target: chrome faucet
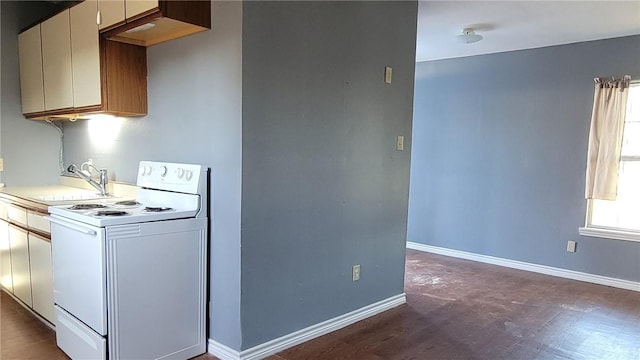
x=100 y=185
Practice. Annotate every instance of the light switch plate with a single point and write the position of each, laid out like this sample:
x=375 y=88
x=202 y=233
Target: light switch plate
x=388 y=74
x=571 y=246
x=400 y=143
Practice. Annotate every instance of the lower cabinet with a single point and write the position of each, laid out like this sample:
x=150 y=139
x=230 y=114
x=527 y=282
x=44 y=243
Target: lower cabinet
x=41 y=276
x=26 y=268
x=5 y=257
x=20 y=269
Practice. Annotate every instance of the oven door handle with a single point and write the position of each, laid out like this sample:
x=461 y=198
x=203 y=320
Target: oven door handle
x=72 y=226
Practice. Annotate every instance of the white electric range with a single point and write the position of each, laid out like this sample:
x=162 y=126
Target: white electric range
x=130 y=276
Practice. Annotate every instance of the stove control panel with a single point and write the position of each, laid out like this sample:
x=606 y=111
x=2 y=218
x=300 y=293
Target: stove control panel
x=185 y=178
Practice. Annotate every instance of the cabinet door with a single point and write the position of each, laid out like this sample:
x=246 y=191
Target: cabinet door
x=112 y=12
x=3 y=208
x=20 y=270
x=41 y=276
x=137 y=7
x=5 y=257
x=56 y=62
x=31 y=83
x=85 y=54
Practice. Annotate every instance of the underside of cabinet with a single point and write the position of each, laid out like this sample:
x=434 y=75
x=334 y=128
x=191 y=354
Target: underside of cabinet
x=171 y=20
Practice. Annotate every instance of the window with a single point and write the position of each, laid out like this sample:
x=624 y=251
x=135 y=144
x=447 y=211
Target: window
x=620 y=219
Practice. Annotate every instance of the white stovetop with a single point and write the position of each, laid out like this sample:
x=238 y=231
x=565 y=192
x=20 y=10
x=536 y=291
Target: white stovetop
x=180 y=206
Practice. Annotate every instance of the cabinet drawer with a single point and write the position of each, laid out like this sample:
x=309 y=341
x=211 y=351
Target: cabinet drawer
x=38 y=221
x=17 y=215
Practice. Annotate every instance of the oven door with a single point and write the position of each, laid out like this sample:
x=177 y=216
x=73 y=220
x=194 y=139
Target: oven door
x=79 y=271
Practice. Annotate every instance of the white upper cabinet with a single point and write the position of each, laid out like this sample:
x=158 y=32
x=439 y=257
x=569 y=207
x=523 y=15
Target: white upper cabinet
x=85 y=54
x=31 y=83
x=137 y=7
x=111 y=12
x=56 y=62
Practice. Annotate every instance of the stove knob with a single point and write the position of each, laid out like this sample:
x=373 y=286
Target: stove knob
x=142 y=171
x=188 y=175
x=147 y=170
x=180 y=173
x=163 y=171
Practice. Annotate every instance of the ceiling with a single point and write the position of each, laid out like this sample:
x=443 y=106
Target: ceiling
x=516 y=25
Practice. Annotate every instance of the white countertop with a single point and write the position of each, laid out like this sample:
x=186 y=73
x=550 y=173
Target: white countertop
x=70 y=191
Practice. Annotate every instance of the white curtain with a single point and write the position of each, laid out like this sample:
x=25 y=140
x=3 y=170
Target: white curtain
x=605 y=138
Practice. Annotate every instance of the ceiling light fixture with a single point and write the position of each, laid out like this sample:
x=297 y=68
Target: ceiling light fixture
x=469 y=36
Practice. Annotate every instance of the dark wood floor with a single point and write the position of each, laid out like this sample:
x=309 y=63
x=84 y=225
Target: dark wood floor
x=456 y=309
x=22 y=335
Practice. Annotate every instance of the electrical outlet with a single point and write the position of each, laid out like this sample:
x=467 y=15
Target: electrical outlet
x=355 y=272
x=571 y=246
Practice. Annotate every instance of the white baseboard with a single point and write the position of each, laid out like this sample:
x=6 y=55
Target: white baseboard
x=222 y=351
x=542 y=269
x=284 y=342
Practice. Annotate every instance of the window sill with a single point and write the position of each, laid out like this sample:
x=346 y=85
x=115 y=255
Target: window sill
x=610 y=233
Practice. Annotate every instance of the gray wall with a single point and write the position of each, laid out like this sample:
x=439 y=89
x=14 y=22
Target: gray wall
x=194 y=117
x=29 y=148
x=322 y=185
x=499 y=155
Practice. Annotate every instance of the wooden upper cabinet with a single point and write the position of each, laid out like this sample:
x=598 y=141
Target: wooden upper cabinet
x=150 y=22
x=111 y=12
x=137 y=7
x=78 y=72
x=124 y=78
x=31 y=83
x=56 y=62
x=71 y=66
x=85 y=53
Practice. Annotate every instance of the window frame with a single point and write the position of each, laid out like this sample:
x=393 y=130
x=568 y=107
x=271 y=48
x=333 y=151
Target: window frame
x=610 y=232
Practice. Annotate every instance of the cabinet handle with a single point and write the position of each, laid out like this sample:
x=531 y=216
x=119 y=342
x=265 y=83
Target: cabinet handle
x=73 y=226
